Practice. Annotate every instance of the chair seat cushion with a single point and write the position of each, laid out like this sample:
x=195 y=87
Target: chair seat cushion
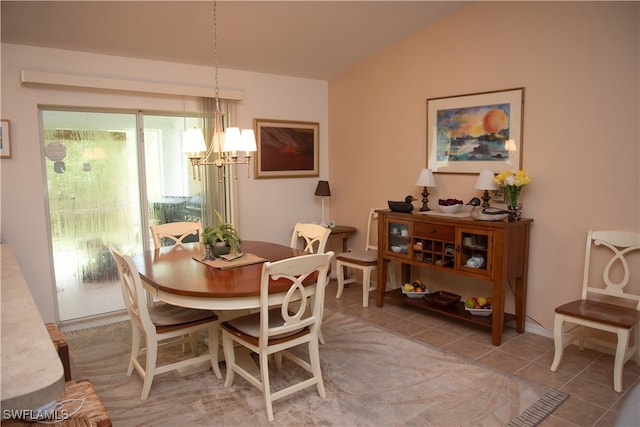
x=602 y=312
x=169 y=315
x=359 y=257
x=250 y=324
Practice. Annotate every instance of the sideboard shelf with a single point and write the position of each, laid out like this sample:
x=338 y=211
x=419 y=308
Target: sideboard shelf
x=492 y=251
x=456 y=311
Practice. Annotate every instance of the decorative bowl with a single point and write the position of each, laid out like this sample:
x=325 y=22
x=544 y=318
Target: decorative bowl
x=400 y=206
x=450 y=209
x=442 y=298
x=480 y=311
x=415 y=295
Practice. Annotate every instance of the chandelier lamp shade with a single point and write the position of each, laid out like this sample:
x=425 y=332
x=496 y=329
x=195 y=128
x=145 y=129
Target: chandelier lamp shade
x=226 y=144
x=485 y=182
x=323 y=191
x=425 y=180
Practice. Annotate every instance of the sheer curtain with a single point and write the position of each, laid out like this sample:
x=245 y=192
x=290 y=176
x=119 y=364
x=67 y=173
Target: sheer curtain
x=218 y=185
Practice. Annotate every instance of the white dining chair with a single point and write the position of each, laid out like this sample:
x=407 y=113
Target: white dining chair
x=161 y=325
x=313 y=237
x=365 y=260
x=608 y=301
x=277 y=328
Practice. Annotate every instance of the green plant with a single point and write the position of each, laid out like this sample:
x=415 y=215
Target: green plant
x=223 y=232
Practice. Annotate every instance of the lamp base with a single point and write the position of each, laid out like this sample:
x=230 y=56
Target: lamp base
x=425 y=200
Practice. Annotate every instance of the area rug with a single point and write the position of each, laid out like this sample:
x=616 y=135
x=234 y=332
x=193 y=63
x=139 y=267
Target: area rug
x=373 y=377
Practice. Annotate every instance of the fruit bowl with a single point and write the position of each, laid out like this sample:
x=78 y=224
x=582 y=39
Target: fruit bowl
x=415 y=295
x=449 y=206
x=450 y=209
x=480 y=311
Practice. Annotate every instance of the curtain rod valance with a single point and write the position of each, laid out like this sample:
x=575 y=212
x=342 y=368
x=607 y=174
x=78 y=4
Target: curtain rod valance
x=60 y=79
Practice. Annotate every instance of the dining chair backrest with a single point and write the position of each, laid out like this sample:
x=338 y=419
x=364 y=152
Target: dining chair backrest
x=313 y=236
x=372 y=230
x=175 y=231
x=132 y=291
x=302 y=306
x=622 y=245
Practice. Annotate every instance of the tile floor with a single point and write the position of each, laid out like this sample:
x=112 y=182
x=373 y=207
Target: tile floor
x=587 y=376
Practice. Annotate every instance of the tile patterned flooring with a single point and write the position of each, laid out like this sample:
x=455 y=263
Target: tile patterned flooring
x=586 y=375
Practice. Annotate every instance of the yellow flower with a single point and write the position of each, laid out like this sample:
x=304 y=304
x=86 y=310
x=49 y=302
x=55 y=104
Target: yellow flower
x=512 y=179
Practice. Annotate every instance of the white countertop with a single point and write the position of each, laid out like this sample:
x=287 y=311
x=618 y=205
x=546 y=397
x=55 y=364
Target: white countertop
x=32 y=374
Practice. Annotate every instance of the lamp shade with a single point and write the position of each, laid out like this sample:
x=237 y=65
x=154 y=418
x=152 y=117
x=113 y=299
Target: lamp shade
x=510 y=145
x=485 y=180
x=426 y=179
x=232 y=139
x=193 y=141
x=247 y=140
x=323 y=189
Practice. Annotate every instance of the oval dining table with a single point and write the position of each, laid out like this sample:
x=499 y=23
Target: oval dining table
x=175 y=275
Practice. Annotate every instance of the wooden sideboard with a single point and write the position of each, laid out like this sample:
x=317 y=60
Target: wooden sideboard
x=446 y=243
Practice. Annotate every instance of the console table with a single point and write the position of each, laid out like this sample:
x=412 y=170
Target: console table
x=446 y=243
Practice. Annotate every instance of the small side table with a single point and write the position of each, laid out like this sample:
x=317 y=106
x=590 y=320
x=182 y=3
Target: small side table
x=342 y=232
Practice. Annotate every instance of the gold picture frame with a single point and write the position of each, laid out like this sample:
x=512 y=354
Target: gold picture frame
x=5 y=139
x=286 y=149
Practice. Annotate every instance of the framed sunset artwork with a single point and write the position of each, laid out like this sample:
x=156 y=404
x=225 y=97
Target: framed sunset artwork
x=469 y=133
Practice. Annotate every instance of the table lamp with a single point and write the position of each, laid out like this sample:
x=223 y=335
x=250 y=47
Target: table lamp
x=485 y=182
x=425 y=180
x=323 y=191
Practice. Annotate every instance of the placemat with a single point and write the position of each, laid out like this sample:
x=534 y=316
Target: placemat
x=246 y=259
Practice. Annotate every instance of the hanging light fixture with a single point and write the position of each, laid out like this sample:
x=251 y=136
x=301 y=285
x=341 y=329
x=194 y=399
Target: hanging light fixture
x=225 y=145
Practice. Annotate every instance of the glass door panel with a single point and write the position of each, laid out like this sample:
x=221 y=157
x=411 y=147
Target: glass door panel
x=92 y=175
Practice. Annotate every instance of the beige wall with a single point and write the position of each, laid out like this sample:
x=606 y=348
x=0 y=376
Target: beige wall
x=579 y=65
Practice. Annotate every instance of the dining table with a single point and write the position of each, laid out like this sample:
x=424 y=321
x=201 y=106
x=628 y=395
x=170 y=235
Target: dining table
x=177 y=275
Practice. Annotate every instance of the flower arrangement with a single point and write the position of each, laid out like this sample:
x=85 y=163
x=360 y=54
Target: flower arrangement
x=513 y=183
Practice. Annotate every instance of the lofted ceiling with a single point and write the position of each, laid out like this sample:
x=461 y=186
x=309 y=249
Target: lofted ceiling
x=310 y=39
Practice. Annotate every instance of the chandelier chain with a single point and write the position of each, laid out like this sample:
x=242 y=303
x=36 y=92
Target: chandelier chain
x=215 y=45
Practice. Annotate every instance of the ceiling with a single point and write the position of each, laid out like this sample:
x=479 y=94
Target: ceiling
x=310 y=39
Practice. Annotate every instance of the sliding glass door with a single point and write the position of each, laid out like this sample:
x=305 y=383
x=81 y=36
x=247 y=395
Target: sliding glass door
x=107 y=182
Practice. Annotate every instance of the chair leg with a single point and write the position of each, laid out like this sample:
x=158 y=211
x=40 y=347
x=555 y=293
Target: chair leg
x=366 y=285
x=314 y=359
x=229 y=357
x=135 y=347
x=557 y=341
x=266 y=386
x=150 y=367
x=340 y=274
x=618 y=365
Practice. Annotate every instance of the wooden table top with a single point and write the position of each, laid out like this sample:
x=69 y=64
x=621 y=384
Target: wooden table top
x=173 y=270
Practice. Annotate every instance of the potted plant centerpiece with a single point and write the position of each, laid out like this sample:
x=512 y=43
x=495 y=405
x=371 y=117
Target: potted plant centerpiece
x=220 y=239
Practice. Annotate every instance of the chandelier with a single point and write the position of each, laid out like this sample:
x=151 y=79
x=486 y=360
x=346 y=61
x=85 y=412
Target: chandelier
x=225 y=144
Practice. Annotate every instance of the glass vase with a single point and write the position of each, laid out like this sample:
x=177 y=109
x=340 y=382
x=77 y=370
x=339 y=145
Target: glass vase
x=514 y=208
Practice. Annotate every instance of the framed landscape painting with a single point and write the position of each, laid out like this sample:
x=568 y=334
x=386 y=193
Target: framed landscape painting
x=286 y=149
x=469 y=133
